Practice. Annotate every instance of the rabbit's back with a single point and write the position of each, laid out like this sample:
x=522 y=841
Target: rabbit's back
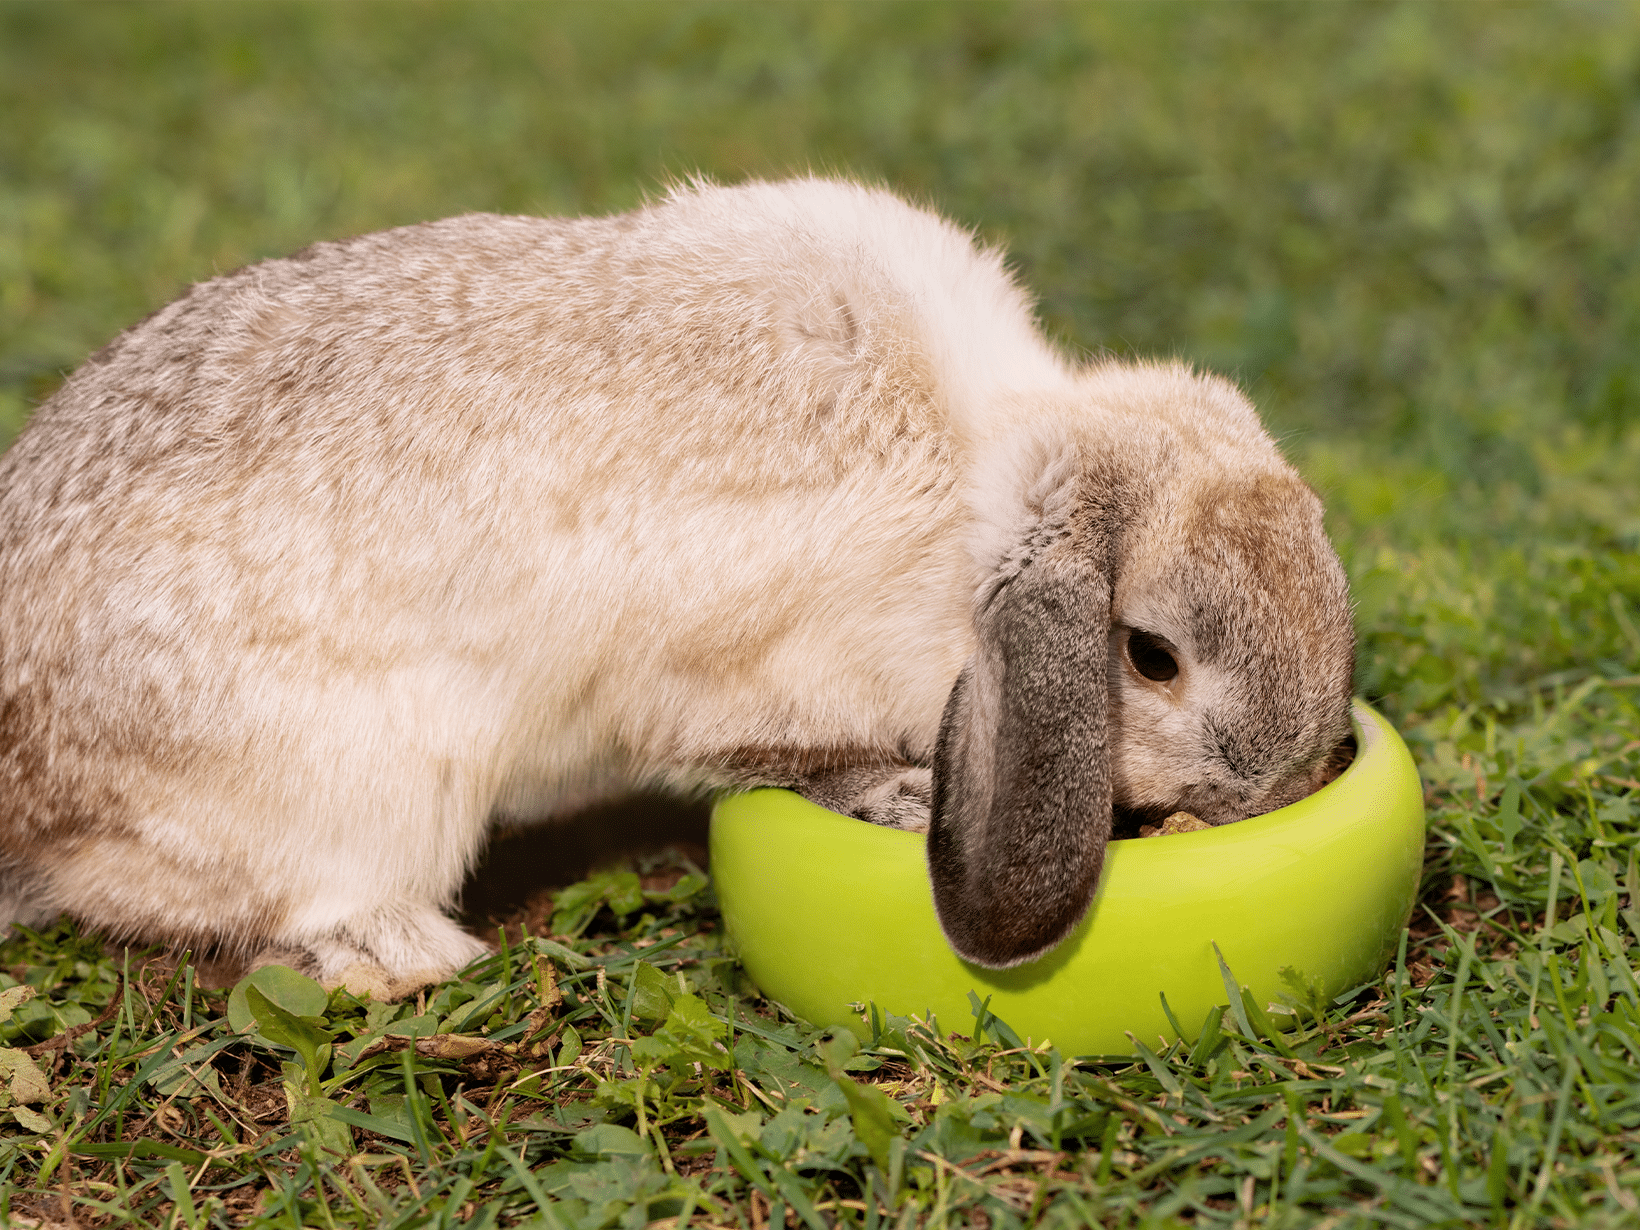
x=736 y=339
x=488 y=514
x=486 y=413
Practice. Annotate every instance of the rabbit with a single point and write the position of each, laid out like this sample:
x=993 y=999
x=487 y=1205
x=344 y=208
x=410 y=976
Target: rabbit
x=319 y=571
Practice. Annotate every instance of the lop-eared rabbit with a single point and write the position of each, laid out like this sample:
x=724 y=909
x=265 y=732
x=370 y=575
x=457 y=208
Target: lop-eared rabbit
x=316 y=572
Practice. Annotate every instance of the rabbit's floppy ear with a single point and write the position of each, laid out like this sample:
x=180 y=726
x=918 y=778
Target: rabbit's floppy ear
x=1022 y=785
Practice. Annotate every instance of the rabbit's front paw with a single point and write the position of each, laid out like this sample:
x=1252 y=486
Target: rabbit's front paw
x=894 y=796
x=899 y=802
x=384 y=954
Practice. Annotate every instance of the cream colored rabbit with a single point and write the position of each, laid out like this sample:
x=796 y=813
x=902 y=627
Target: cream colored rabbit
x=311 y=575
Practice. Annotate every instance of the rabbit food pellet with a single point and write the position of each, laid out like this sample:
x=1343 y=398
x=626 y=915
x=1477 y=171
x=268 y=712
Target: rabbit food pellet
x=1178 y=822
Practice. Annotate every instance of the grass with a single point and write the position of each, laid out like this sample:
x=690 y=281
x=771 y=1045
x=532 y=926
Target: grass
x=1413 y=231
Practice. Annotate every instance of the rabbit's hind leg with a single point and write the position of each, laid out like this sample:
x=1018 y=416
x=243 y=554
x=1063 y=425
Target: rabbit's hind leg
x=25 y=903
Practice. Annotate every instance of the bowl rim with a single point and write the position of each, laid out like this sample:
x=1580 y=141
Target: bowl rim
x=1375 y=748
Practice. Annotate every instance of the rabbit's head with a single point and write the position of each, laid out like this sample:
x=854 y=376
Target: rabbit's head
x=1162 y=626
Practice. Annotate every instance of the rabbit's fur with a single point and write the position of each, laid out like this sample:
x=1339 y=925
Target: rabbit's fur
x=315 y=572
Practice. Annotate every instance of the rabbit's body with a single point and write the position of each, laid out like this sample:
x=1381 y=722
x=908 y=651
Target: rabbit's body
x=310 y=575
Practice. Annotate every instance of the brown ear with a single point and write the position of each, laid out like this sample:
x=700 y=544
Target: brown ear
x=1022 y=794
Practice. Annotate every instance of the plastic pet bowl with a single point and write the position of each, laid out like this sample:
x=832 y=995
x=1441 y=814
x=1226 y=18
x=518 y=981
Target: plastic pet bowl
x=826 y=911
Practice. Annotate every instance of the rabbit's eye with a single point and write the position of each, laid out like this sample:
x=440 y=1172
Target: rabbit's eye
x=1150 y=657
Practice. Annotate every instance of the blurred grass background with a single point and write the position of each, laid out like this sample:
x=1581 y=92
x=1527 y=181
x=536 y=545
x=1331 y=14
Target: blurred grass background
x=1411 y=230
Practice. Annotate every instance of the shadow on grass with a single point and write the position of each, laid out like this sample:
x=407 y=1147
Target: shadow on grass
x=520 y=863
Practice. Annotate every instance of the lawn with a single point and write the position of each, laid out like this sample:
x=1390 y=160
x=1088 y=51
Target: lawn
x=1411 y=231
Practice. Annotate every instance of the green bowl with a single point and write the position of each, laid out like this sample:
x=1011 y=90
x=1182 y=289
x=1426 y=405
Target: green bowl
x=827 y=912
